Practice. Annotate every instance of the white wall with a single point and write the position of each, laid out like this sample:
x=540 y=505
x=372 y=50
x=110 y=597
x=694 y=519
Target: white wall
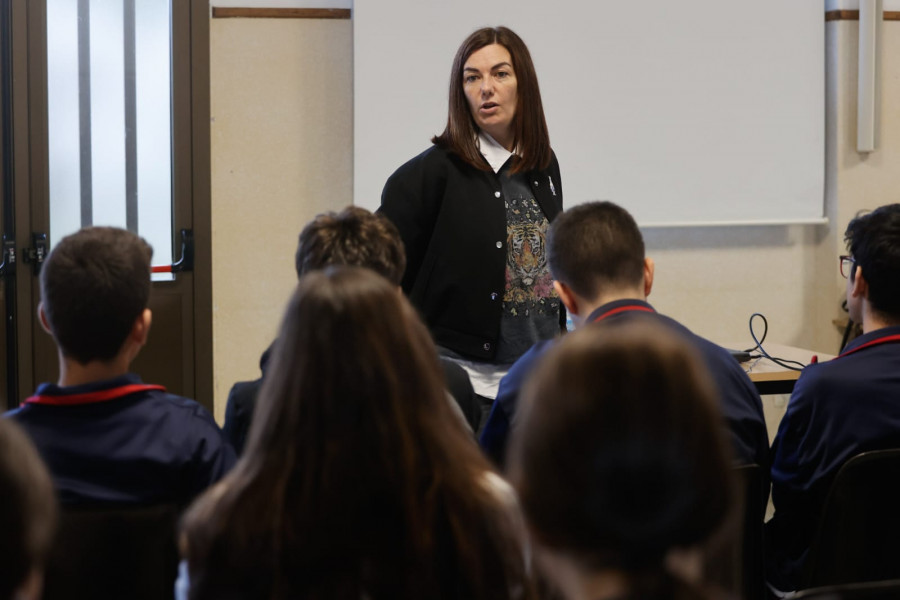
x=713 y=279
x=680 y=115
x=269 y=178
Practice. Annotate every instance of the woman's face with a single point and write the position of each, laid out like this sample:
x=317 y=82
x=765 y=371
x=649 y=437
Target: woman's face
x=491 y=90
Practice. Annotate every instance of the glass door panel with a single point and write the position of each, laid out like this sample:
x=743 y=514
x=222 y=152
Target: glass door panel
x=109 y=111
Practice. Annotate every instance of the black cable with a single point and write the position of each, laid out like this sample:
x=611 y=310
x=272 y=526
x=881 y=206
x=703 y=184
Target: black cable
x=781 y=362
x=846 y=337
x=847 y=329
x=765 y=332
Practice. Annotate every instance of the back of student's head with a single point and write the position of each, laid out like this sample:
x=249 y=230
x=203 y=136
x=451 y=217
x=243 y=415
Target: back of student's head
x=353 y=237
x=619 y=456
x=874 y=242
x=94 y=284
x=357 y=480
x=594 y=246
x=351 y=353
x=27 y=510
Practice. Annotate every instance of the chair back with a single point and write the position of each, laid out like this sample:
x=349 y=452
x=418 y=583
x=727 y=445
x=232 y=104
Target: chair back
x=870 y=590
x=737 y=564
x=858 y=537
x=115 y=553
x=756 y=496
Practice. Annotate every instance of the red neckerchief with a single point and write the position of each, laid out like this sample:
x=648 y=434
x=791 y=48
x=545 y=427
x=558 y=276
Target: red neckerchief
x=93 y=397
x=620 y=309
x=882 y=340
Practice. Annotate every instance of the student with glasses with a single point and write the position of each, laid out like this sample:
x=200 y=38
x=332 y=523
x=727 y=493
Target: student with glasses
x=855 y=398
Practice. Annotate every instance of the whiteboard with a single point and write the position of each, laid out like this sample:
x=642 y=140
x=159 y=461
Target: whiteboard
x=691 y=112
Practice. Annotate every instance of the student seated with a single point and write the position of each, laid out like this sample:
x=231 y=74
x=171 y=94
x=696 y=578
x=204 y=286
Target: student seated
x=621 y=464
x=842 y=407
x=105 y=435
x=356 y=482
x=596 y=256
x=353 y=237
x=27 y=515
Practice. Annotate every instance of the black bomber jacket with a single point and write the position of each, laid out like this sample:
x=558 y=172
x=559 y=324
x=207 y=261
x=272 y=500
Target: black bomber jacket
x=452 y=218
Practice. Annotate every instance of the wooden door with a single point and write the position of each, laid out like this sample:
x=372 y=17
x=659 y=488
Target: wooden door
x=107 y=124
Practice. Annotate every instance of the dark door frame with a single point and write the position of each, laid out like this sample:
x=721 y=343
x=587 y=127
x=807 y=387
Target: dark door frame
x=23 y=166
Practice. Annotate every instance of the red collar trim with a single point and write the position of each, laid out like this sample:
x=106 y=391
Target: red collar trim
x=877 y=341
x=93 y=397
x=621 y=309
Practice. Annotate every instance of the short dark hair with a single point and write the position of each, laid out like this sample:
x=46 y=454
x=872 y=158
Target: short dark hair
x=28 y=518
x=620 y=454
x=353 y=237
x=94 y=285
x=874 y=242
x=532 y=139
x=595 y=245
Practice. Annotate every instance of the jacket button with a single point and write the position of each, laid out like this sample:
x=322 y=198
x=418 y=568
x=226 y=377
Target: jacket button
x=496 y=194
x=499 y=244
x=493 y=295
x=487 y=346
x=535 y=183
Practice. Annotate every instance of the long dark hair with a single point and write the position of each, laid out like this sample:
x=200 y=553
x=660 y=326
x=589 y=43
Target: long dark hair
x=358 y=480
x=620 y=455
x=531 y=137
x=30 y=511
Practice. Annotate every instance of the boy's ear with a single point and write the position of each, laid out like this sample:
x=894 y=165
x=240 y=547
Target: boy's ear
x=649 y=271
x=569 y=299
x=141 y=328
x=859 y=287
x=42 y=317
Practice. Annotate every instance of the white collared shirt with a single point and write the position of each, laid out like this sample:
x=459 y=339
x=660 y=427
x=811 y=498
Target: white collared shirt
x=492 y=151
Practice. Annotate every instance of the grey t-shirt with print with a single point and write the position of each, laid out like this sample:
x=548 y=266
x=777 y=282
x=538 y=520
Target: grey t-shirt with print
x=530 y=303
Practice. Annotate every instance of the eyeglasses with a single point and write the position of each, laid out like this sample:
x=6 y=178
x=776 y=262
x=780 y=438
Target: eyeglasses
x=847 y=263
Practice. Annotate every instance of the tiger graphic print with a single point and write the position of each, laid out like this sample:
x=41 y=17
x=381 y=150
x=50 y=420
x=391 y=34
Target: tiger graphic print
x=529 y=286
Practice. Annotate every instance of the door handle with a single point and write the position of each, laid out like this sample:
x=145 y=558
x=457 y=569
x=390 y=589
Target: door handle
x=8 y=266
x=36 y=254
x=186 y=262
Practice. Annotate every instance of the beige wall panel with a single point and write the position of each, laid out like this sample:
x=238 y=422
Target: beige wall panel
x=865 y=181
x=713 y=279
x=282 y=152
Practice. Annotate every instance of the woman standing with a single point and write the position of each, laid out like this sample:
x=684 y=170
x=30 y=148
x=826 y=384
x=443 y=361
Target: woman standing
x=473 y=211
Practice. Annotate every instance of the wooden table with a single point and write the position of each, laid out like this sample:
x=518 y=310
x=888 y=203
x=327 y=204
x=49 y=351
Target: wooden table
x=771 y=378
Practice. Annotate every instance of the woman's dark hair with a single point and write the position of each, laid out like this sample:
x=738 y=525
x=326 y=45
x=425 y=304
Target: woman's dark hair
x=531 y=137
x=29 y=510
x=358 y=480
x=619 y=456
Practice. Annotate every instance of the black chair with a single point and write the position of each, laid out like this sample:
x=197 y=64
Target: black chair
x=737 y=565
x=871 y=590
x=858 y=537
x=114 y=553
x=756 y=496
